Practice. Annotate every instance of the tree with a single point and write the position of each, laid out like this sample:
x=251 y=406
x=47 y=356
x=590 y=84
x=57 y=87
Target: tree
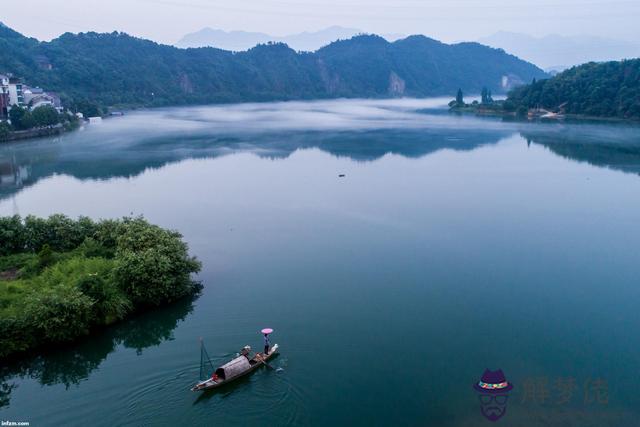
x=45 y=115
x=57 y=314
x=153 y=265
x=486 y=96
x=87 y=108
x=21 y=118
x=5 y=131
x=460 y=97
x=15 y=115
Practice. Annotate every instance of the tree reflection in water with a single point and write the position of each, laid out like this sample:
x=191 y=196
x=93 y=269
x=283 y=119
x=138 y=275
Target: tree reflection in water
x=73 y=364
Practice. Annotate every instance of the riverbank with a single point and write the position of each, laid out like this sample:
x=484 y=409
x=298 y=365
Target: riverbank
x=61 y=279
x=498 y=109
x=18 y=135
x=42 y=121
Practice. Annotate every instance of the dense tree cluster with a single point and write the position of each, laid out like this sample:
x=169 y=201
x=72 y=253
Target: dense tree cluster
x=90 y=70
x=610 y=89
x=68 y=276
x=23 y=118
x=40 y=117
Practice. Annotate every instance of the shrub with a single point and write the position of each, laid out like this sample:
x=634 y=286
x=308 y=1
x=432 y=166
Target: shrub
x=57 y=314
x=45 y=257
x=21 y=118
x=91 y=248
x=5 y=130
x=45 y=115
x=12 y=235
x=153 y=265
x=110 y=304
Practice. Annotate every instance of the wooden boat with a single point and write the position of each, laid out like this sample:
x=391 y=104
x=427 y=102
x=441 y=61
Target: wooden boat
x=236 y=368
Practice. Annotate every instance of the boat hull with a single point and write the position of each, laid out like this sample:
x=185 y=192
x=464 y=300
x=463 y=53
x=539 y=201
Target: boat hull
x=210 y=384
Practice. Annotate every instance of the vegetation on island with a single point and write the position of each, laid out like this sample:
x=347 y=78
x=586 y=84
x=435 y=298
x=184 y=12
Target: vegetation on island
x=599 y=90
x=486 y=104
x=90 y=71
x=61 y=278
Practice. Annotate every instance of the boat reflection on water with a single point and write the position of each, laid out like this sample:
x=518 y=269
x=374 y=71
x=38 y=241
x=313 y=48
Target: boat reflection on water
x=73 y=364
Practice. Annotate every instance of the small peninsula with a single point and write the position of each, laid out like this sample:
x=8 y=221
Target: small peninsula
x=607 y=90
x=61 y=279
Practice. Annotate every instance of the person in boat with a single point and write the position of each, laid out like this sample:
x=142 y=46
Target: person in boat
x=245 y=351
x=267 y=344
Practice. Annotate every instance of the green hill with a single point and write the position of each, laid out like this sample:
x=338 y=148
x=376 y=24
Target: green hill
x=609 y=89
x=117 y=69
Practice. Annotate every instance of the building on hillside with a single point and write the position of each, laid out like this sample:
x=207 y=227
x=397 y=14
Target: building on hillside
x=13 y=92
x=4 y=96
x=35 y=97
x=16 y=97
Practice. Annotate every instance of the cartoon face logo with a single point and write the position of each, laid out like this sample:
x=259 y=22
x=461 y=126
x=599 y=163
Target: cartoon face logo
x=493 y=391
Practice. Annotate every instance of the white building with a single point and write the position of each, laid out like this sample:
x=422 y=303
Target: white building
x=4 y=95
x=16 y=97
x=35 y=97
x=14 y=92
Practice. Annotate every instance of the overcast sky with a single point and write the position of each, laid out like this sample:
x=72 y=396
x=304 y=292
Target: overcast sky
x=448 y=20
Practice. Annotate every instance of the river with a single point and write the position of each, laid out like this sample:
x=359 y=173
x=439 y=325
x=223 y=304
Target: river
x=452 y=244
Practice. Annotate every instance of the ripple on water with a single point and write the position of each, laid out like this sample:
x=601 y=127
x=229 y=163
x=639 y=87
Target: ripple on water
x=264 y=394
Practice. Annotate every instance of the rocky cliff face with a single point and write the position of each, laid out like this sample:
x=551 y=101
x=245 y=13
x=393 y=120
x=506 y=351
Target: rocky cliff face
x=396 y=85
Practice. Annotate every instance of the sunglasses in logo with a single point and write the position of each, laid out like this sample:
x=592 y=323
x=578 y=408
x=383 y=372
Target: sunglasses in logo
x=500 y=399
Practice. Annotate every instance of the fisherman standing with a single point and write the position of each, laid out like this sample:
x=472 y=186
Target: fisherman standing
x=267 y=344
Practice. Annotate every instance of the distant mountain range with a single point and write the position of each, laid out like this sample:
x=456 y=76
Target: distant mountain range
x=116 y=69
x=243 y=40
x=555 y=53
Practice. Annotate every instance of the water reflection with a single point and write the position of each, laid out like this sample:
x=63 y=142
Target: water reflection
x=27 y=164
x=362 y=130
x=73 y=364
x=613 y=147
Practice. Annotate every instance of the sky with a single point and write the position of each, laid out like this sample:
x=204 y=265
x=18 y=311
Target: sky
x=166 y=21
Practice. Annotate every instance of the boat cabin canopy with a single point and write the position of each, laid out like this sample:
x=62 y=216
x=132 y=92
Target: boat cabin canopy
x=236 y=367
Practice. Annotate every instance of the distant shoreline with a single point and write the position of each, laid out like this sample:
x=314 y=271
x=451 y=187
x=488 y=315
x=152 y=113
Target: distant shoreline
x=20 y=135
x=482 y=111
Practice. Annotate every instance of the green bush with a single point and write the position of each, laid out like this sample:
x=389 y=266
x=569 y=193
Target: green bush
x=21 y=118
x=57 y=314
x=5 y=130
x=153 y=264
x=12 y=235
x=91 y=248
x=45 y=115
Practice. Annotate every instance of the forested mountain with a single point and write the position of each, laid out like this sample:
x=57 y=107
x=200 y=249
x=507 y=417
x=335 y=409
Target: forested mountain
x=609 y=89
x=117 y=69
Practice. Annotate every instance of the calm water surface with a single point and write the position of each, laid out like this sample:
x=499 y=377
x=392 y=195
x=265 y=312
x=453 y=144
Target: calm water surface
x=452 y=244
